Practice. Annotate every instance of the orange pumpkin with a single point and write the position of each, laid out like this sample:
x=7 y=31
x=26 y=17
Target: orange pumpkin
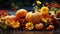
x=39 y=26
x=13 y=18
x=10 y=18
x=21 y=13
x=50 y=27
x=33 y=17
x=7 y=17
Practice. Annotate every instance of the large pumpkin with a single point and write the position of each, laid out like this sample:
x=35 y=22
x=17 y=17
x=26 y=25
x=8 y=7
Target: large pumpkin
x=21 y=13
x=33 y=17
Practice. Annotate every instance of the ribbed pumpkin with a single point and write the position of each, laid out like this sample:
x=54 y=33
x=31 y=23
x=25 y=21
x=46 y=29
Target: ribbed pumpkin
x=33 y=17
x=21 y=13
x=9 y=17
x=12 y=21
x=13 y=18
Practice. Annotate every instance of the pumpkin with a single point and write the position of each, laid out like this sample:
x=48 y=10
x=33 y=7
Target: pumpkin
x=7 y=17
x=50 y=27
x=39 y=26
x=11 y=21
x=33 y=17
x=21 y=13
x=12 y=17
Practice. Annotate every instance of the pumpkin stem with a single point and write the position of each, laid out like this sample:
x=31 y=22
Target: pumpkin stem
x=33 y=11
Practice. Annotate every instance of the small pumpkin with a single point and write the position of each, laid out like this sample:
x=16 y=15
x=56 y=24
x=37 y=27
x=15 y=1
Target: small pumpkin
x=12 y=17
x=50 y=27
x=11 y=21
x=39 y=26
x=21 y=13
x=33 y=17
x=7 y=17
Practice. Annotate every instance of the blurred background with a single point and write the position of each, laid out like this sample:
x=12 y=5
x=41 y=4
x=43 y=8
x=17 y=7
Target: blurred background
x=17 y=4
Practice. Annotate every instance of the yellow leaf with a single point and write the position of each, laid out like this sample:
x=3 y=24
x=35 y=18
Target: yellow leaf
x=44 y=20
x=38 y=2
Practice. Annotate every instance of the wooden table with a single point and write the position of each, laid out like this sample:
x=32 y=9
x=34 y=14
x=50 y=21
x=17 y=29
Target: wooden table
x=29 y=32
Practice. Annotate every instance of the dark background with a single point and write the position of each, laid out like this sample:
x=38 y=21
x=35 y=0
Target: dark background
x=7 y=4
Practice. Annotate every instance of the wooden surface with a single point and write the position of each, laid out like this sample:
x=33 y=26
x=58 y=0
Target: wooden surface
x=30 y=32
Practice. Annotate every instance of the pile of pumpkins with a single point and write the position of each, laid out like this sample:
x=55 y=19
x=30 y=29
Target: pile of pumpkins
x=25 y=20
